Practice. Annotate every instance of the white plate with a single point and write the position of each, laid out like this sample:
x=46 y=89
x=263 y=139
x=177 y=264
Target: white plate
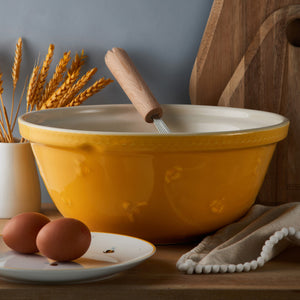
x=108 y=254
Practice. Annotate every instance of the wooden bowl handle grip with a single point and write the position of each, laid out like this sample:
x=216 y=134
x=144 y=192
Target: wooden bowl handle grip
x=132 y=83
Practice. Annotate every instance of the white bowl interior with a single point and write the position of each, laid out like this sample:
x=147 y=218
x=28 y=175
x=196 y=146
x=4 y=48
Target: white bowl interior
x=124 y=118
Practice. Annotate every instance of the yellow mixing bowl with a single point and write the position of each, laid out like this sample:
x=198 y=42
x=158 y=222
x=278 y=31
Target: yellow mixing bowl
x=108 y=168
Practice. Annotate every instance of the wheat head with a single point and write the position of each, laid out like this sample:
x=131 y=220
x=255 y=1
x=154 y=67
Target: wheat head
x=30 y=96
x=77 y=62
x=43 y=75
x=57 y=76
x=17 y=63
x=71 y=93
x=55 y=98
x=95 y=88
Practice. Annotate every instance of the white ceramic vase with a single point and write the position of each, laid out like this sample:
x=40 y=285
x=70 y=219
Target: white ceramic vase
x=19 y=181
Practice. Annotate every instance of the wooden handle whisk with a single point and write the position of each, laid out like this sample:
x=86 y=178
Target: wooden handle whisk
x=132 y=83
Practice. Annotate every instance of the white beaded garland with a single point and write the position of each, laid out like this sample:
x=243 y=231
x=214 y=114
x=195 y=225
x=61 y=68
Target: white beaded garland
x=247 y=267
x=266 y=248
x=274 y=239
x=292 y=230
x=269 y=243
x=265 y=256
x=260 y=261
x=190 y=270
x=191 y=265
x=207 y=269
x=183 y=267
x=279 y=235
x=216 y=268
x=254 y=265
x=239 y=268
x=231 y=268
x=223 y=269
x=199 y=268
x=285 y=231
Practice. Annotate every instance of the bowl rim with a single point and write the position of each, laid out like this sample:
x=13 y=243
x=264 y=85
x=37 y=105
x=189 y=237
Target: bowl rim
x=37 y=133
x=22 y=120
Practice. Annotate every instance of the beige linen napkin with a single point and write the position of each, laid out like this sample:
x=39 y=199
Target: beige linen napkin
x=247 y=244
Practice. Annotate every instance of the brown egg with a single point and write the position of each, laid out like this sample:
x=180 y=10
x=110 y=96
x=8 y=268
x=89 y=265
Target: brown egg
x=21 y=231
x=64 y=239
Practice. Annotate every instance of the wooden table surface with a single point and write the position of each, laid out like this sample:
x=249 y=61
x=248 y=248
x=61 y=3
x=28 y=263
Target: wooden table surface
x=158 y=278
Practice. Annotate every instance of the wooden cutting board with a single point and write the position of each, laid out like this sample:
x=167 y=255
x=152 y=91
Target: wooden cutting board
x=250 y=57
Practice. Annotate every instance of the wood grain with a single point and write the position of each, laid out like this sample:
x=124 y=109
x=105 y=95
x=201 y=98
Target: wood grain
x=158 y=278
x=230 y=29
x=260 y=71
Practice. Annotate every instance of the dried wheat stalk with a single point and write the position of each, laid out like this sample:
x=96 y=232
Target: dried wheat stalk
x=1 y=84
x=1 y=114
x=9 y=131
x=42 y=95
x=17 y=63
x=2 y=139
x=30 y=97
x=55 y=98
x=16 y=72
x=57 y=76
x=71 y=93
x=1 y=92
x=95 y=88
x=43 y=75
x=77 y=62
x=18 y=108
x=5 y=137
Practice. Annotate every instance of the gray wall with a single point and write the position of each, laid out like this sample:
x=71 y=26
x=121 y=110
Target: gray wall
x=161 y=36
